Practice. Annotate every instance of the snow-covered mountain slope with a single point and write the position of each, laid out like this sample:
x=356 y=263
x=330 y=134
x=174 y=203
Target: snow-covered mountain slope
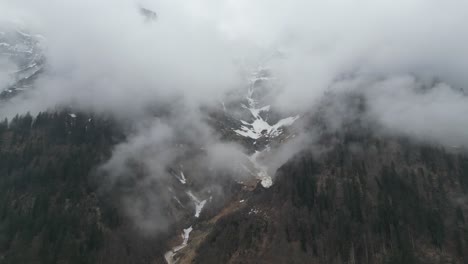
x=21 y=59
x=260 y=127
x=259 y=124
x=252 y=122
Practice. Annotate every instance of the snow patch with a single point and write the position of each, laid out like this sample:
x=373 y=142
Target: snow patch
x=198 y=204
x=169 y=256
x=199 y=208
x=183 y=180
x=178 y=201
x=259 y=127
x=180 y=177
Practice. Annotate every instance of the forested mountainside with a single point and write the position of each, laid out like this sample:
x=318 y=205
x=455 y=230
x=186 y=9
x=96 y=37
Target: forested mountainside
x=238 y=132
x=366 y=200
x=50 y=207
x=361 y=199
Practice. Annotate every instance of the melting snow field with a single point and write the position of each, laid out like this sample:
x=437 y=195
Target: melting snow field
x=182 y=178
x=259 y=127
x=198 y=204
x=169 y=256
x=255 y=129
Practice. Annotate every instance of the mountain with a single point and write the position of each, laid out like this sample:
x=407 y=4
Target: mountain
x=159 y=143
x=22 y=53
x=366 y=200
x=353 y=196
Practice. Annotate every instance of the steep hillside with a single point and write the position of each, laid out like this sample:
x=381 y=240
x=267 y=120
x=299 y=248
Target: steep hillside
x=51 y=210
x=366 y=200
x=353 y=197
